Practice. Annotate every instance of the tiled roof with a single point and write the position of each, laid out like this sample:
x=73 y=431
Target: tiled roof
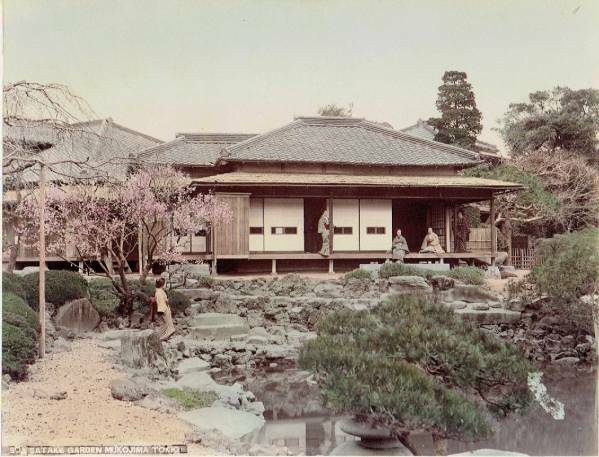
x=196 y=149
x=317 y=179
x=102 y=145
x=346 y=141
x=423 y=129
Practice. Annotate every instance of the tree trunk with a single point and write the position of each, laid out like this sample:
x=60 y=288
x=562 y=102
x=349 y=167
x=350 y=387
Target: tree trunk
x=440 y=445
x=508 y=240
x=405 y=440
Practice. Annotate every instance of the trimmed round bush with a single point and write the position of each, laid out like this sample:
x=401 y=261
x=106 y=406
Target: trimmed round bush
x=13 y=283
x=390 y=269
x=61 y=286
x=14 y=305
x=468 y=275
x=358 y=273
x=18 y=350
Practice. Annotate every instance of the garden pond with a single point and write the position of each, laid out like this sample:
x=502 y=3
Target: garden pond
x=295 y=417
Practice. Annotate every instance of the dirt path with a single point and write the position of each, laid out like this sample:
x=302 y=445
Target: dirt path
x=89 y=414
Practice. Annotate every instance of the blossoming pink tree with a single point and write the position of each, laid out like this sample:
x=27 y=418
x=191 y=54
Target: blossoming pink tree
x=102 y=222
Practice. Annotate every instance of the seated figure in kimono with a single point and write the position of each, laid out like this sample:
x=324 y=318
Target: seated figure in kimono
x=399 y=248
x=323 y=229
x=431 y=243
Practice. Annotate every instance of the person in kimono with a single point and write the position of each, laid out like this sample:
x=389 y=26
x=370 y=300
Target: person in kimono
x=431 y=243
x=323 y=229
x=399 y=247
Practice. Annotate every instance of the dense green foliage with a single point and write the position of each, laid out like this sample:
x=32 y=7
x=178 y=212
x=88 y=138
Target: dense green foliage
x=460 y=121
x=13 y=283
x=61 y=286
x=568 y=266
x=468 y=275
x=358 y=273
x=191 y=398
x=561 y=119
x=104 y=297
x=13 y=304
x=390 y=269
x=19 y=335
x=472 y=213
x=412 y=365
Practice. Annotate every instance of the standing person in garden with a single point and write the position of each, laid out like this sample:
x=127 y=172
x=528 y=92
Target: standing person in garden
x=167 y=327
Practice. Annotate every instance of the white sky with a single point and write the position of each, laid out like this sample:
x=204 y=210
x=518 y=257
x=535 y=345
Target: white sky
x=249 y=66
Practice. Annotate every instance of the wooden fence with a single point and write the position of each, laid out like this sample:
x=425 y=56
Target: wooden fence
x=524 y=258
x=479 y=239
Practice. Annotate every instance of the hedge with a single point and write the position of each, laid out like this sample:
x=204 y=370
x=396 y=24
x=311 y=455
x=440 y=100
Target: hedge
x=61 y=286
x=13 y=283
x=18 y=350
x=13 y=304
x=358 y=273
x=468 y=275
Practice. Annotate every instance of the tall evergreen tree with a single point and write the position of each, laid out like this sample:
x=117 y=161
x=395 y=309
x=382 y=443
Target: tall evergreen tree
x=460 y=120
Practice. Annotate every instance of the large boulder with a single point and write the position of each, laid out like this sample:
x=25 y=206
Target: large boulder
x=468 y=293
x=79 y=316
x=409 y=285
x=198 y=294
x=142 y=349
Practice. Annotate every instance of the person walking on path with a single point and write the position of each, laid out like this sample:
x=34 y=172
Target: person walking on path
x=167 y=327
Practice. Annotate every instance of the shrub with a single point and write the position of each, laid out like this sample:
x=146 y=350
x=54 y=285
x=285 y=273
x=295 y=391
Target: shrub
x=13 y=283
x=191 y=398
x=413 y=365
x=569 y=265
x=104 y=297
x=205 y=281
x=468 y=275
x=358 y=273
x=18 y=350
x=13 y=304
x=61 y=286
x=390 y=269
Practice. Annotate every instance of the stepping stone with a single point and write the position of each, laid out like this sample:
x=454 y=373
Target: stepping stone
x=218 y=326
x=193 y=365
x=234 y=424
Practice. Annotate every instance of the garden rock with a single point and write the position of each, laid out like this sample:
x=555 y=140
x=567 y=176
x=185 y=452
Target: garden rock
x=127 y=390
x=79 y=316
x=409 y=285
x=493 y=272
x=508 y=271
x=193 y=365
x=142 y=349
x=234 y=424
x=217 y=326
x=468 y=293
x=442 y=282
x=328 y=290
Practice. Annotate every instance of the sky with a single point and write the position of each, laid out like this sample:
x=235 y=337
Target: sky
x=163 y=67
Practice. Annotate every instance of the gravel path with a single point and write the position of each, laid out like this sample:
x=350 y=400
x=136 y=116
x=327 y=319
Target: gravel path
x=88 y=415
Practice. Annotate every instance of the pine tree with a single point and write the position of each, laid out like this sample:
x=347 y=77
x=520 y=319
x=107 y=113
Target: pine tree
x=460 y=120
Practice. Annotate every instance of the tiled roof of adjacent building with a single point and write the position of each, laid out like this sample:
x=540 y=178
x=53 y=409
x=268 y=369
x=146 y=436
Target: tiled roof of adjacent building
x=194 y=149
x=105 y=147
x=346 y=141
x=423 y=129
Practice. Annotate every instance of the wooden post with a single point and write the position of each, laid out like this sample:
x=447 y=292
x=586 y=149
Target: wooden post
x=274 y=267
x=213 y=243
x=42 y=255
x=447 y=229
x=493 y=230
x=331 y=266
x=331 y=227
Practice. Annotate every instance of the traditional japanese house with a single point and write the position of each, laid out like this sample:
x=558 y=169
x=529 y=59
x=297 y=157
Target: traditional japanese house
x=371 y=179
